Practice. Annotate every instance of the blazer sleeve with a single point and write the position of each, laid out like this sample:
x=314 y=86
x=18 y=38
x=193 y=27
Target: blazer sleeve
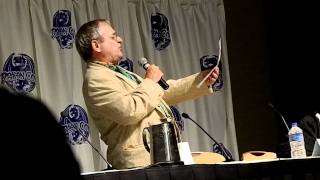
x=185 y=89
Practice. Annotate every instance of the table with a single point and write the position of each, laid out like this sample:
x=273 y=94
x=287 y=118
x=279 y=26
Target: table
x=279 y=169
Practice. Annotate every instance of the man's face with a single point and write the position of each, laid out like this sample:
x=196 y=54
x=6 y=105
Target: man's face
x=110 y=46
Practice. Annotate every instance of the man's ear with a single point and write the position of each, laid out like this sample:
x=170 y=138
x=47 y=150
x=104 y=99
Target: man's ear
x=95 y=46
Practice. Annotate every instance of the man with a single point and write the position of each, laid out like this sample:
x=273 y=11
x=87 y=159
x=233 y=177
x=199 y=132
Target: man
x=121 y=103
x=35 y=145
x=310 y=124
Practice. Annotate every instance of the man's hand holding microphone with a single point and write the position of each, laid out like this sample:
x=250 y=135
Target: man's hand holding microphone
x=153 y=73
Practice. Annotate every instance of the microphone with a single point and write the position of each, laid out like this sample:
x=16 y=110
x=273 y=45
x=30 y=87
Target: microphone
x=275 y=110
x=109 y=166
x=224 y=151
x=143 y=62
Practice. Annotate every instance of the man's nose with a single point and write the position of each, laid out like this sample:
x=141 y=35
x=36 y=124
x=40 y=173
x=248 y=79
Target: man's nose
x=119 y=39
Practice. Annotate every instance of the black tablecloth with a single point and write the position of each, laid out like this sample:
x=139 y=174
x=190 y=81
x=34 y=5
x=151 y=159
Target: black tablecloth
x=289 y=169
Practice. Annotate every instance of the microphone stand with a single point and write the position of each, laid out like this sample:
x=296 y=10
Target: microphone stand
x=226 y=155
x=278 y=112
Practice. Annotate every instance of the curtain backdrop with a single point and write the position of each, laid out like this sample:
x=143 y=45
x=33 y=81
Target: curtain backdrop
x=38 y=58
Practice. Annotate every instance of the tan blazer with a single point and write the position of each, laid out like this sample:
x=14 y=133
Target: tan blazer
x=121 y=108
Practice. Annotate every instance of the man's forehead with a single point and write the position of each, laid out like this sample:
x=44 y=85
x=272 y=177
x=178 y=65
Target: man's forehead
x=105 y=27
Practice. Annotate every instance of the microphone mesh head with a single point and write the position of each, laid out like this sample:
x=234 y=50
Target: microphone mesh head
x=185 y=115
x=271 y=105
x=142 y=61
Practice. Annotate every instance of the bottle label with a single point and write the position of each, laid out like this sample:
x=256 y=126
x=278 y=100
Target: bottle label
x=296 y=137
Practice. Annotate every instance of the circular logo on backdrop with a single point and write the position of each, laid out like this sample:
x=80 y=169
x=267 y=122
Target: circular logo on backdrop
x=127 y=64
x=62 y=30
x=177 y=117
x=160 y=32
x=74 y=120
x=18 y=73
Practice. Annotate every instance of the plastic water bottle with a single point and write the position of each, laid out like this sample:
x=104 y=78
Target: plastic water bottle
x=296 y=140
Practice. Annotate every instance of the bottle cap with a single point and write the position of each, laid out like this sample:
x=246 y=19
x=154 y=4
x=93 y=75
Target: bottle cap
x=294 y=124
